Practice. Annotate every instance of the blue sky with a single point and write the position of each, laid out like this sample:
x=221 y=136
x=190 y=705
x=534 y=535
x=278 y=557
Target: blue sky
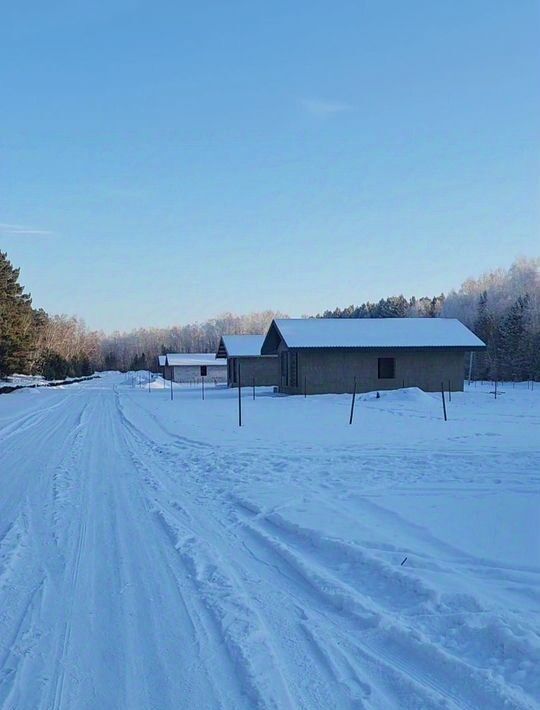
x=161 y=163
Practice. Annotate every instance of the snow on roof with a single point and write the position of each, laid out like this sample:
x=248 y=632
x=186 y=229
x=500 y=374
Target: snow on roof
x=241 y=345
x=375 y=333
x=193 y=360
x=162 y=360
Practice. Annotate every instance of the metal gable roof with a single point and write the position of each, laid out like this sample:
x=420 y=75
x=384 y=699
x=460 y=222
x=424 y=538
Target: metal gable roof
x=374 y=333
x=241 y=345
x=193 y=360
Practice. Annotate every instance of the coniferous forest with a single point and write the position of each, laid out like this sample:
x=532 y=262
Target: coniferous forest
x=501 y=307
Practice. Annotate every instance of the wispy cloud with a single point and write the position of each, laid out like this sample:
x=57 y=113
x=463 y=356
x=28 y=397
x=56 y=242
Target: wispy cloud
x=20 y=230
x=324 y=107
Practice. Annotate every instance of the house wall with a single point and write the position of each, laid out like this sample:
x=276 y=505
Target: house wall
x=190 y=373
x=333 y=371
x=262 y=370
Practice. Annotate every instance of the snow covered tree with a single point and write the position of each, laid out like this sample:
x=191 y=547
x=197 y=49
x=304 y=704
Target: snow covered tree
x=514 y=342
x=485 y=329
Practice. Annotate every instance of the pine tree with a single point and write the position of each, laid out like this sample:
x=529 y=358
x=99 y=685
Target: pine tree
x=484 y=328
x=514 y=341
x=393 y=307
x=16 y=321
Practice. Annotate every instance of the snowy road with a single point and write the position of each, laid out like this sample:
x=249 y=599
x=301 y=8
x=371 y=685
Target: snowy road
x=152 y=561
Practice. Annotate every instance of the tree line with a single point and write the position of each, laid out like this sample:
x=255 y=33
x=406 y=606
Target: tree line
x=139 y=349
x=502 y=307
x=35 y=343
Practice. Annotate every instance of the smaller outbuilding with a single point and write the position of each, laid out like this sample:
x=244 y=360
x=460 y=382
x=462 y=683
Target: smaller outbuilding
x=189 y=367
x=245 y=362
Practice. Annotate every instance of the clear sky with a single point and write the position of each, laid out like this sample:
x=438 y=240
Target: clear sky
x=163 y=162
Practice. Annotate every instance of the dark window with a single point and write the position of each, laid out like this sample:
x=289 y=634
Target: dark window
x=285 y=368
x=387 y=368
x=294 y=369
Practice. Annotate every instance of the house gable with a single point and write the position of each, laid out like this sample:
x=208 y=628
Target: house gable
x=272 y=340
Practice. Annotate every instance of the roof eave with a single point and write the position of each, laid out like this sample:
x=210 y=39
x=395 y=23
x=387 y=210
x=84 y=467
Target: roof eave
x=464 y=348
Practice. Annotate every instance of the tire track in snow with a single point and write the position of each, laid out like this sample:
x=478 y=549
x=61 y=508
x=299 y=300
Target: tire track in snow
x=216 y=667
x=34 y=560
x=356 y=602
x=21 y=424
x=239 y=627
x=21 y=473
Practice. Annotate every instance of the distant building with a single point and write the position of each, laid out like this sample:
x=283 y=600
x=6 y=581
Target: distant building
x=325 y=355
x=243 y=354
x=188 y=367
x=162 y=360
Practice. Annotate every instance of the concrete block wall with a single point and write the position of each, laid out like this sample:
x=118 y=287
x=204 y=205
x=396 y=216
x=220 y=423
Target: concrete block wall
x=333 y=371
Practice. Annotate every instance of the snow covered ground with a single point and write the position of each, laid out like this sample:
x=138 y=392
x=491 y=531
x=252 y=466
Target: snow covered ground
x=22 y=380
x=155 y=555
x=31 y=381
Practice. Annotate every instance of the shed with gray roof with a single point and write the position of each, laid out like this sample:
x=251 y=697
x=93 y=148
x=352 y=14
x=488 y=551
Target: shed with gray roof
x=189 y=367
x=244 y=360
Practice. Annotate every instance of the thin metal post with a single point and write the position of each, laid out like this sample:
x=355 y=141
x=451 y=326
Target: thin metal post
x=202 y=386
x=239 y=398
x=352 y=402
x=443 y=401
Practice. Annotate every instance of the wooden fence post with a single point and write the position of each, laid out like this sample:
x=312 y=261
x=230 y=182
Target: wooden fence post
x=239 y=398
x=352 y=402
x=443 y=401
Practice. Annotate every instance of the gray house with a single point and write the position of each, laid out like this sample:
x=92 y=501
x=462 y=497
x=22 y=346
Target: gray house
x=243 y=353
x=190 y=367
x=325 y=355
